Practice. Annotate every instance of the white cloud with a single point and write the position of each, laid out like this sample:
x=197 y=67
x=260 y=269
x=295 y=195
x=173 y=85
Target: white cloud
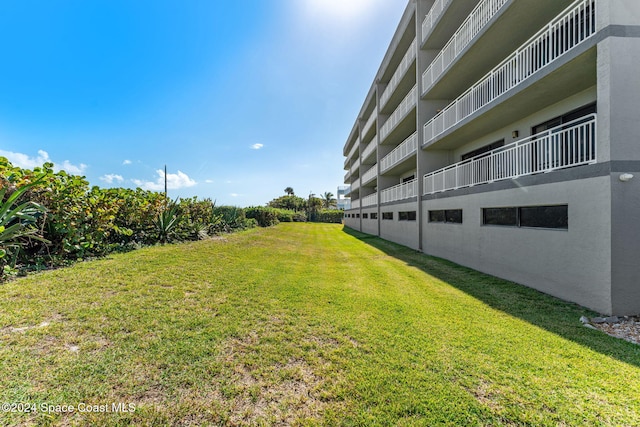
x=25 y=161
x=234 y=195
x=127 y=162
x=208 y=181
x=110 y=178
x=175 y=181
x=257 y=146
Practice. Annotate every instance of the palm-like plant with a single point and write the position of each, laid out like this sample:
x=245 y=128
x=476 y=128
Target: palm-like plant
x=328 y=200
x=166 y=221
x=289 y=191
x=17 y=222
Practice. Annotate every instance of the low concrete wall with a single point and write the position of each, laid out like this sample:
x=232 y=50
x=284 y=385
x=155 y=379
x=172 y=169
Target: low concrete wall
x=573 y=264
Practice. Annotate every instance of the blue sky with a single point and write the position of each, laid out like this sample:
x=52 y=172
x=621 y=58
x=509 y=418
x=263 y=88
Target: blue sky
x=238 y=99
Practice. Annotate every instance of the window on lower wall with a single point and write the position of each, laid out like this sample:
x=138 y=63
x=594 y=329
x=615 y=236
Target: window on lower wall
x=553 y=217
x=357 y=215
x=387 y=215
x=453 y=216
x=407 y=216
x=365 y=216
x=374 y=215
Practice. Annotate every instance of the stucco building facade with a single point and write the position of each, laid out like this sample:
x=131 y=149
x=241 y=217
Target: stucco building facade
x=504 y=135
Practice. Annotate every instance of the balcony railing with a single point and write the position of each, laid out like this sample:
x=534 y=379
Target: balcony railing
x=355 y=166
x=355 y=204
x=372 y=173
x=355 y=185
x=432 y=17
x=347 y=176
x=565 y=146
x=401 y=152
x=370 y=200
x=369 y=123
x=407 y=104
x=575 y=25
x=475 y=22
x=370 y=148
x=402 y=191
x=405 y=63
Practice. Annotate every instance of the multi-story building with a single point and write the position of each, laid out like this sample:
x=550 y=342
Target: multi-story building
x=504 y=135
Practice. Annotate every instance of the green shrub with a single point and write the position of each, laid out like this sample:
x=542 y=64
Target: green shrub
x=333 y=216
x=265 y=216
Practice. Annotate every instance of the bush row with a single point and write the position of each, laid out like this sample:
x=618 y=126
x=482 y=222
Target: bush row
x=66 y=219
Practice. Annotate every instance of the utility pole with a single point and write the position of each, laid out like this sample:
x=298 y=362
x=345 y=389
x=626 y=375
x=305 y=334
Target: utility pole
x=165 y=181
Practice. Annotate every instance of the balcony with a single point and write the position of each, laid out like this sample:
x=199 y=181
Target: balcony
x=568 y=145
x=432 y=17
x=347 y=176
x=369 y=123
x=355 y=167
x=355 y=204
x=370 y=175
x=477 y=20
x=355 y=185
x=405 y=63
x=370 y=200
x=370 y=149
x=400 y=153
x=575 y=25
x=402 y=191
x=407 y=104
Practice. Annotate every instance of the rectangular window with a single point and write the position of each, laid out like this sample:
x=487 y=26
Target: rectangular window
x=483 y=150
x=374 y=215
x=545 y=217
x=436 y=216
x=387 y=215
x=453 y=215
x=500 y=216
x=449 y=215
x=357 y=215
x=555 y=217
x=407 y=216
x=365 y=216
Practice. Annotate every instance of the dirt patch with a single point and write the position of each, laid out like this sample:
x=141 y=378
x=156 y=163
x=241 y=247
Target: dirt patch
x=282 y=394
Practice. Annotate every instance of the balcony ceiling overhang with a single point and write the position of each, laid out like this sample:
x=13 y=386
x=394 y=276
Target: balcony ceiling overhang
x=564 y=78
x=514 y=26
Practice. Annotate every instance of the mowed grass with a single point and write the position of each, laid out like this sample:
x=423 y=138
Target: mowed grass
x=304 y=324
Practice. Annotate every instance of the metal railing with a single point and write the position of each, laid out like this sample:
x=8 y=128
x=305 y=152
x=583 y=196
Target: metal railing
x=370 y=148
x=372 y=173
x=403 y=191
x=432 y=17
x=570 y=144
x=407 y=104
x=369 y=123
x=355 y=166
x=405 y=63
x=575 y=25
x=408 y=147
x=466 y=33
x=370 y=200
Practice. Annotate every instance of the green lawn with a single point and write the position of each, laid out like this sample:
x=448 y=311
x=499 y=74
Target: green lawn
x=303 y=324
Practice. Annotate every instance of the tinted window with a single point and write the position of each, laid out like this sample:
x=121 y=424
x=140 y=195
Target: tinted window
x=436 y=216
x=500 y=216
x=545 y=216
x=453 y=215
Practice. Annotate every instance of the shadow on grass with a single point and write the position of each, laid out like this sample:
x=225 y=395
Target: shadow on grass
x=547 y=312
